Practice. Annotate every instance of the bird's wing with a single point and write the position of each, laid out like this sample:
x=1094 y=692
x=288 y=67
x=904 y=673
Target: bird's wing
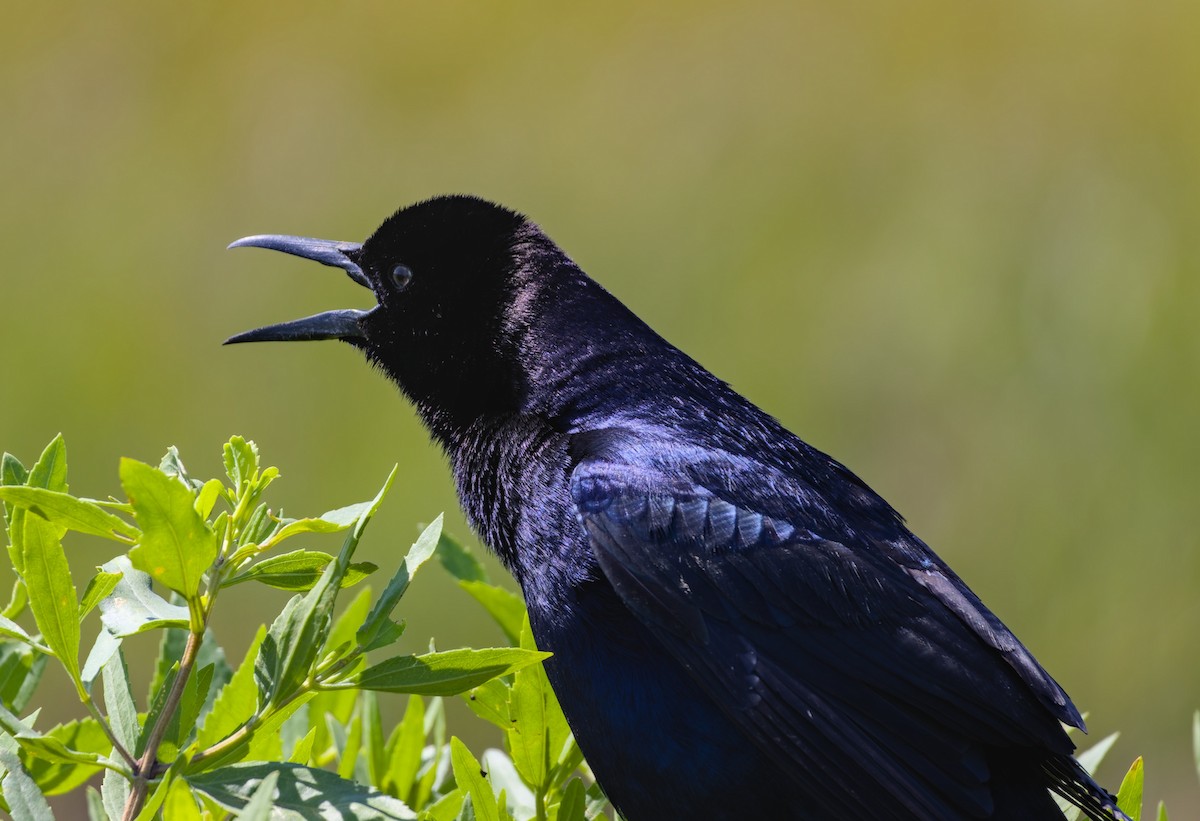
x=837 y=658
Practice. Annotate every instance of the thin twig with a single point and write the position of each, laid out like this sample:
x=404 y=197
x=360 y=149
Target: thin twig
x=145 y=765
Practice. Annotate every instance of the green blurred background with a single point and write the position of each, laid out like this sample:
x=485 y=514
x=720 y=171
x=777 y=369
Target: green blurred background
x=953 y=244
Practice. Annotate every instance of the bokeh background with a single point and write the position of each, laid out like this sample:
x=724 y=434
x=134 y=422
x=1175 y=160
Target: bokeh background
x=953 y=244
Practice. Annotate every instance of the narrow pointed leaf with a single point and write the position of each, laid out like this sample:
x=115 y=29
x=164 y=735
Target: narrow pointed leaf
x=299 y=570
x=404 y=750
x=329 y=522
x=101 y=585
x=25 y=801
x=260 y=805
x=1129 y=797
x=574 y=802
x=114 y=791
x=83 y=742
x=1092 y=757
x=106 y=644
x=236 y=702
x=21 y=669
x=298 y=633
x=444 y=674
x=10 y=629
x=380 y=614
x=12 y=472
x=489 y=701
x=460 y=562
x=471 y=778
x=207 y=497
x=118 y=698
x=304 y=791
x=49 y=472
x=504 y=606
x=180 y=802
x=95 y=806
x=51 y=594
x=69 y=513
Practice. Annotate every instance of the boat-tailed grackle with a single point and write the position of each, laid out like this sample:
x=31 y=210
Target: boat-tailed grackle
x=741 y=627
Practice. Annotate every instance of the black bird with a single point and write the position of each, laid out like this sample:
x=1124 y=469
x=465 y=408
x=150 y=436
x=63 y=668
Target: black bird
x=741 y=628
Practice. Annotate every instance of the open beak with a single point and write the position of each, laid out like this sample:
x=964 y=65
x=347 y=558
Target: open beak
x=344 y=324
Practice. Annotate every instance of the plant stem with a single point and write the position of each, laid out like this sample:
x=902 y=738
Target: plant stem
x=144 y=767
x=117 y=745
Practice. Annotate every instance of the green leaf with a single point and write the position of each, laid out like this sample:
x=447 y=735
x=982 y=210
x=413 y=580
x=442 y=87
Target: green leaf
x=158 y=703
x=342 y=634
x=377 y=626
x=133 y=606
x=266 y=742
x=241 y=463
x=84 y=740
x=537 y=732
x=299 y=570
x=95 y=806
x=574 y=802
x=21 y=669
x=171 y=647
x=460 y=562
x=101 y=585
x=298 y=633
x=489 y=701
x=302 y=752
x=17 y=601
x=114 y=791
x=156 y=799
x=444 y=674
x=172 y=465
x=1162 y=811
x=47 y=748
x=259 y=807
x=329 y=522
x=195 y=692
x=49 y=472
x=1091 y=758
x=25 y=800
x=180 y=803
x=176 y=546
x=504 y=606
x=472 y=780
x=597 y=800
x=304 y=791
x=260 y=525
x=12 y=472
x=118 y=698
x=372 y=729
x=404 y=751
x=237 y=700
x=51 y=594
x=446 y=808
x=349 y=763
x=1129 y=797
x=10 y=629
x=106 y=644
x=514 y=798
x=210 y=491
x=69 y=513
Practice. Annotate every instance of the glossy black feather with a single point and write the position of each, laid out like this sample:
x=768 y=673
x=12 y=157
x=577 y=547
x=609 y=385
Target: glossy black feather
x=741 y=628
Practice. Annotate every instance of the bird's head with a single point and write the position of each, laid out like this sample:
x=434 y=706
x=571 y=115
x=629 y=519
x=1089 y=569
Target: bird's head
x=455 y=279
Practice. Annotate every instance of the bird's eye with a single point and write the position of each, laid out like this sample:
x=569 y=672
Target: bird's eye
x=401 y=276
